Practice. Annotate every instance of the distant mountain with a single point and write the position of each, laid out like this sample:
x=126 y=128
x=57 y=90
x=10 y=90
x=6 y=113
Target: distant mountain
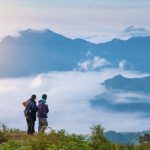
x=36 y=52
x=132 y=28
x=133 y=50
x=125 y=95
x=129 y=84
x=124 y=137
x=133 y=31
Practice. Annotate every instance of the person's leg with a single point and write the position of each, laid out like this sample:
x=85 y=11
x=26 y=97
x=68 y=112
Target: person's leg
x=32 y=126
x=44 y=124
x=28 y=122
x=29 y=126
x=40 y=124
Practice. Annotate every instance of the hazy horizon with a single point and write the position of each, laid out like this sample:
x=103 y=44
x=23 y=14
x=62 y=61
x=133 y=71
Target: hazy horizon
x=107 y=19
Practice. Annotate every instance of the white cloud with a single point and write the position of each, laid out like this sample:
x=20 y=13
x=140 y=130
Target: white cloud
x=85 y=65
x=91 y=64
x=37 y=82
x=128 y=95
x=122 y=64
x=120 y=97
x=99 y=62
x=69 y=95
x=88 y=54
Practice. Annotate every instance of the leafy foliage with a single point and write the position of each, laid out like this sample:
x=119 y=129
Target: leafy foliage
x=144 y=139
x=13 y=139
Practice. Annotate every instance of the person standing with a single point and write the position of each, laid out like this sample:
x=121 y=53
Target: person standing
x=42 y=113
x=30 y=114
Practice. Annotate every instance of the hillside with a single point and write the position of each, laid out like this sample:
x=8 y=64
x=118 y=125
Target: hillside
x=124 y=137
x=14 y=139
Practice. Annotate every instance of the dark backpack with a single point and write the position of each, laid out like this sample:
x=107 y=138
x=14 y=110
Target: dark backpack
x=28 y=110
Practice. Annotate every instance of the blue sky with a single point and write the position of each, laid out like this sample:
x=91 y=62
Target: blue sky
x=94 y=20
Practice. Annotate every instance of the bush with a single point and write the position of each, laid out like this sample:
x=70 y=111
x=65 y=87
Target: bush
x=3 y=137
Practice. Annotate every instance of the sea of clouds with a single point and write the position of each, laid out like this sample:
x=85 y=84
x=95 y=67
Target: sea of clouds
x=69 y=99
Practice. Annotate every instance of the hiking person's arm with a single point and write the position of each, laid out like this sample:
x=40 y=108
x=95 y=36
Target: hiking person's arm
x=47 y=109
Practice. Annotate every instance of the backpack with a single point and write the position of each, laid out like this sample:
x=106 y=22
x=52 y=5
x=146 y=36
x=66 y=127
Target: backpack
x=28 y=110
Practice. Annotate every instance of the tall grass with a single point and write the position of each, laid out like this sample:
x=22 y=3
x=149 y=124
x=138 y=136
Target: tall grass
x=14 y=139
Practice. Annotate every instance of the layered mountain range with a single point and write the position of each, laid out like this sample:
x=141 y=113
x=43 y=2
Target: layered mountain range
x=35 y=52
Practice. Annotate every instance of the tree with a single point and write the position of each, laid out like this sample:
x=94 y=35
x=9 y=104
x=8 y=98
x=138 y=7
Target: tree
x=98 y=140
x=144 y=139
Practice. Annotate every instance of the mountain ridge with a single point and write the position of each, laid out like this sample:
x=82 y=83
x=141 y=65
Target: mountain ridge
x=124 y=137
x=120 y=82
x=60 y=53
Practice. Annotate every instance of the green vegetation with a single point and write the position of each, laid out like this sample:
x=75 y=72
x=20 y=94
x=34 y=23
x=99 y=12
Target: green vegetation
x=14 y=139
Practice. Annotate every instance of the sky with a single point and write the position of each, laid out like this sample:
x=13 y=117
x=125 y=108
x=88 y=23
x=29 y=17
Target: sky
x=93 y=20
x=70 y=93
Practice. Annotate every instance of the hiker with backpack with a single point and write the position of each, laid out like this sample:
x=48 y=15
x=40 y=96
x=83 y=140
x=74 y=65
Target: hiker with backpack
x=42 y=113
x=30 y=113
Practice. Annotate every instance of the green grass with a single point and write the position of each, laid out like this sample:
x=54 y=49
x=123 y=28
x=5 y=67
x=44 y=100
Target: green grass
x=11 y=139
